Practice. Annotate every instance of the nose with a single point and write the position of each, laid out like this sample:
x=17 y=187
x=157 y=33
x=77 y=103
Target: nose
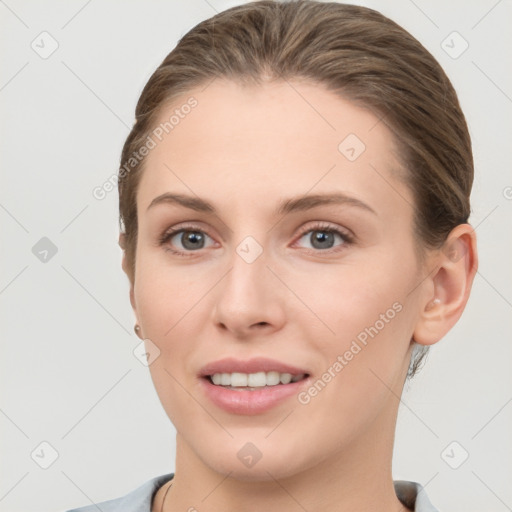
x=250 y=298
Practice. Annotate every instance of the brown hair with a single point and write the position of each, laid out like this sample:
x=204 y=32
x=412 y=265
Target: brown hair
x=351 y=50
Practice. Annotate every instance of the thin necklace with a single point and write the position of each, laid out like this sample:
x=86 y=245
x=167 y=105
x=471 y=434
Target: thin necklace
x=165 y=496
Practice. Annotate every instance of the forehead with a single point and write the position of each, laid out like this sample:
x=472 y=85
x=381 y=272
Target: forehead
x=274 y=113
x=291 y=136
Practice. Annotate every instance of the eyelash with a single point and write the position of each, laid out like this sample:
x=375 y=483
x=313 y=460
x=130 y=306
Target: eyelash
x=322 y=227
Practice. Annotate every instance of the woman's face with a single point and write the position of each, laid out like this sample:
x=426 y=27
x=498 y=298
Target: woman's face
x=271 y=269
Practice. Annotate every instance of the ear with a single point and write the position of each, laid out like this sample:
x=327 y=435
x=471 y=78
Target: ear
x=449 y=285
x=127 y=270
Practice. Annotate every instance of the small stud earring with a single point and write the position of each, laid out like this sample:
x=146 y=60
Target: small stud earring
x=136 y=328
x=434 y=303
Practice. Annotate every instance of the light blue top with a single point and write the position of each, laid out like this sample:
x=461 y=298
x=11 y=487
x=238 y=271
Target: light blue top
x=411 y=494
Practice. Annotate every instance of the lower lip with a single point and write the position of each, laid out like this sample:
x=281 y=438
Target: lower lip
x=250 y=402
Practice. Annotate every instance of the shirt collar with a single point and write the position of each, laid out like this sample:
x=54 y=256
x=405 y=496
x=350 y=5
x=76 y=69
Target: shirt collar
x=410 y=494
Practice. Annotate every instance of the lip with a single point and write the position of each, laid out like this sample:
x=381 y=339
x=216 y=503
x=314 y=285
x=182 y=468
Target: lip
x=257 y=364
x=250 y=402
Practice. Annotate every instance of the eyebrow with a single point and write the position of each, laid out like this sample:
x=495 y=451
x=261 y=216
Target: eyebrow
x=293 y=204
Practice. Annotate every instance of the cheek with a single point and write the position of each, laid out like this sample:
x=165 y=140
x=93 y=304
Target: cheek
x=171 y=308
x=165 y=295
x=364 y=343
x=358 y=373
x=347 y=300
x=168 y=307
x=372 y=325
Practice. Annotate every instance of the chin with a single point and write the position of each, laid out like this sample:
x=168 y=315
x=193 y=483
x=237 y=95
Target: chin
x=250 y=464
x=267 y=471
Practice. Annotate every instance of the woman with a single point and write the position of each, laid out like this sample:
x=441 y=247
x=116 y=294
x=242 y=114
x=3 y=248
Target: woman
x=294 y=203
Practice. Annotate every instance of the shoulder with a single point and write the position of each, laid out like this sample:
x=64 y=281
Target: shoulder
x=137 y=500
x=413 y=496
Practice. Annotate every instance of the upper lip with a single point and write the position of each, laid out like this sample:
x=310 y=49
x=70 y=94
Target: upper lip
x=258 y=364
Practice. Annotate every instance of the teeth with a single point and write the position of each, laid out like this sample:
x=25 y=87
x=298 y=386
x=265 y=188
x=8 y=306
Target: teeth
x=254 y=380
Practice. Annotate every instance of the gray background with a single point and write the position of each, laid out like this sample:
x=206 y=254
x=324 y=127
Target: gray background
x=68 y=374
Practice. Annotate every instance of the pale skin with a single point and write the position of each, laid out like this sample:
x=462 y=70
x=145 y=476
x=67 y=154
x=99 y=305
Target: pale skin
x=244 y=150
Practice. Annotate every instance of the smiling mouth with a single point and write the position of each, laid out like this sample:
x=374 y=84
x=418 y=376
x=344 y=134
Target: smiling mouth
x=253 y=381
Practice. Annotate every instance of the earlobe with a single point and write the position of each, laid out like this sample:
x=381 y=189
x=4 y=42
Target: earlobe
x=450 y=284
